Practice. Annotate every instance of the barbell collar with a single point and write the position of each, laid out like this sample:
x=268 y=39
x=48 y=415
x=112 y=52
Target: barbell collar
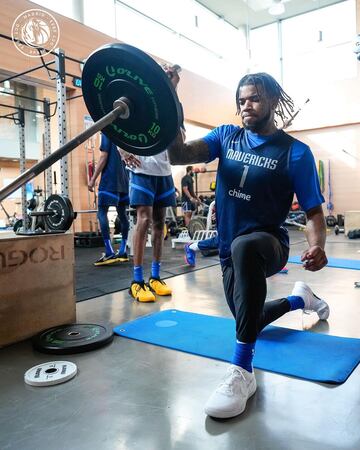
x=125 y=104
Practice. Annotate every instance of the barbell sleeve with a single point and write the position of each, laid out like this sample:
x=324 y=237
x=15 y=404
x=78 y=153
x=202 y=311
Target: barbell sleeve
x=121 y=109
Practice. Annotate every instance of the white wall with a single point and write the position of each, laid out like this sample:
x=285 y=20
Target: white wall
x=328 y=144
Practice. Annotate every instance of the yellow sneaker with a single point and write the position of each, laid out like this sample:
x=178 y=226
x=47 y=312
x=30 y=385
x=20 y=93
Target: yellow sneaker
x=159 y=286
x=140 y=292
x=123 y=257
x=106 y=260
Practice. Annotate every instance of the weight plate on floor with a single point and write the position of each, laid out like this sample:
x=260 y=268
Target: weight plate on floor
x=74 y=338
x=50 y=373
x=196 y=224
x=120 y=70
x=63 y=213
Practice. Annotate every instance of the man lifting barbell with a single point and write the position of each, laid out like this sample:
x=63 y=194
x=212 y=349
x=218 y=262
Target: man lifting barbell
x=131 y=98
x=260 y=168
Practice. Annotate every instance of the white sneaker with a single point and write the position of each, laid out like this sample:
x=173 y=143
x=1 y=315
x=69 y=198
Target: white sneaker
x=312 y=302
x=229 y=399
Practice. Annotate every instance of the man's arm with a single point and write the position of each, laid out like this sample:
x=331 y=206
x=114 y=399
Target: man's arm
x=188 y=195
x=99 y=167
x=181 y=153
x=314 y=257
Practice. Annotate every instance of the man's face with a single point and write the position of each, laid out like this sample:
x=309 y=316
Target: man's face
x=255 y=107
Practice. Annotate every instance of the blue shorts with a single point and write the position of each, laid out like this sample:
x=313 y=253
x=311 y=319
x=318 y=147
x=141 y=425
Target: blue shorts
x=151 y=190
x=108 y=198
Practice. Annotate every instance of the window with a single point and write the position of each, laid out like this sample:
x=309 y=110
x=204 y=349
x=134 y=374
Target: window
x=9 y=131
x=324 y=51
x=101 y=18
x=194 y=38
x=265 y=50
x=66 y=7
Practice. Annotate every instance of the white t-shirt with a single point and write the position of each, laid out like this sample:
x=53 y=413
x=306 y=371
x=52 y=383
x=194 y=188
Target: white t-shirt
x=158 y=165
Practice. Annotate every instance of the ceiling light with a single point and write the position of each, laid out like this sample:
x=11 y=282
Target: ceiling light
x=277 y=8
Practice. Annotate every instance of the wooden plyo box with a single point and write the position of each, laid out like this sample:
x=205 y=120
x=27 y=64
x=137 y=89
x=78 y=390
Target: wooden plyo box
x=351 y=221
x=36 y=284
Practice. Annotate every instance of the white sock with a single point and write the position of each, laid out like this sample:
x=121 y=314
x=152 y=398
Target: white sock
x=194 y=246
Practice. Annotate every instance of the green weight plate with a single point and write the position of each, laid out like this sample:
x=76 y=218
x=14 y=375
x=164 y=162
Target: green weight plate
x=74 y=338
x=120 y=70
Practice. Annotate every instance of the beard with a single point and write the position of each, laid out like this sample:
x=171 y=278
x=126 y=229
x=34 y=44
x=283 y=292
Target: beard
x=259 y=124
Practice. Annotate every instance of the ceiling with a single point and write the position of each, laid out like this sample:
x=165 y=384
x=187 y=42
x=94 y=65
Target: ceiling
x=254 y=13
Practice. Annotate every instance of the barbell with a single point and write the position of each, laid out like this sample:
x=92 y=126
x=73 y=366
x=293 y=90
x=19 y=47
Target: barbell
x=130 y=98
x=56 y=213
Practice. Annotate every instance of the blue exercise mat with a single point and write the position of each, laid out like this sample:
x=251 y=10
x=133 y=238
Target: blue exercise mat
x=340 y=263
x=302 y=354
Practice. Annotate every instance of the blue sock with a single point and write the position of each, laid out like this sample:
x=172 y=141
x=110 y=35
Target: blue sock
x=243 y=355
x=122 y=248
x=138 y=274
x=108 y=247
x=155 y=269
x=295 y=302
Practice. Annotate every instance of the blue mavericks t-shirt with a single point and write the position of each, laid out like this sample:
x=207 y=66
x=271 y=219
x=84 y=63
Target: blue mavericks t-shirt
x=256 y=180
x=114 y=177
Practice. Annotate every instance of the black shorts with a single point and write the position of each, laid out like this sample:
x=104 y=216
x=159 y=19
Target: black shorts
x=188 y=206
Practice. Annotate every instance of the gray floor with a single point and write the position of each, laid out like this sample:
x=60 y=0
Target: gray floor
x=133 y=396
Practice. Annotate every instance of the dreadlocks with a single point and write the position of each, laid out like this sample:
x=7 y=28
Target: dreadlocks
x=285 y=104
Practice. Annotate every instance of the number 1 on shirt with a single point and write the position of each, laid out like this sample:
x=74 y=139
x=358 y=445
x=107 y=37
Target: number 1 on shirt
x=243 y=178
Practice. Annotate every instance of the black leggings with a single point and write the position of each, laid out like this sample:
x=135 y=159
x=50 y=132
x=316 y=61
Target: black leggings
x=254 y=257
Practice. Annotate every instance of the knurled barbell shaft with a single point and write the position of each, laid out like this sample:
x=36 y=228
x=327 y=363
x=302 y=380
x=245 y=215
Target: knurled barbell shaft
x=121 y=110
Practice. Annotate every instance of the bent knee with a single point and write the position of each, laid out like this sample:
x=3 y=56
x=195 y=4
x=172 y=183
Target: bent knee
x=245 y=247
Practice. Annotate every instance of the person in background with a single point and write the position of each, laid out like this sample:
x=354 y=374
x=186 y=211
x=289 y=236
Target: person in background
x=113 y=191
x=152 y=190
x=188 y=200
